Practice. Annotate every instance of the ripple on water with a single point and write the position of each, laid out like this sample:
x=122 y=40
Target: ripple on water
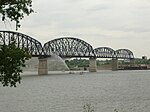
x=126 y=91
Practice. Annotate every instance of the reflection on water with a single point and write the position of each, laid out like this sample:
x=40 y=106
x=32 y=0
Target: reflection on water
x=126 y=91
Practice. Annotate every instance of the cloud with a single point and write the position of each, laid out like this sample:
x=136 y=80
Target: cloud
x=101 y=7
x=115 y=23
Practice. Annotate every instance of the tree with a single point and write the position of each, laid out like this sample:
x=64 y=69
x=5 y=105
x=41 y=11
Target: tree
x=12 y=59
x=88 y=108
x=15 y=10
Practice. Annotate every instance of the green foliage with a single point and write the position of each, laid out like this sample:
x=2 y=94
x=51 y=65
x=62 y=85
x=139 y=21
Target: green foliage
x=137 y=61
x=142 y=61
x=77 y=63
x=15 y=10
x=12 y=59
x=88 y=108
x=103 y=62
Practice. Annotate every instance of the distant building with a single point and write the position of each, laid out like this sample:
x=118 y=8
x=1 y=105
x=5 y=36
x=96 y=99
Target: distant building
x=144 y=57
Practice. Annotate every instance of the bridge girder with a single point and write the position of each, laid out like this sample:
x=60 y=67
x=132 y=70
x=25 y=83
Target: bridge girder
x=22 y=41
x=124 y=54
x=64 y=47
x=68 y=47
x=104 y=52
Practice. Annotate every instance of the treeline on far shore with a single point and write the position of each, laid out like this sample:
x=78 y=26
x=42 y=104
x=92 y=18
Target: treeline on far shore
x=77 y=64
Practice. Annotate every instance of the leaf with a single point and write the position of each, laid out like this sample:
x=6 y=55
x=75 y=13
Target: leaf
x=15 y=10
x=12 y=59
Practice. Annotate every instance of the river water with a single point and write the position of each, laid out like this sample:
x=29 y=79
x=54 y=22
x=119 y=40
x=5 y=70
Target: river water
x=125 y=91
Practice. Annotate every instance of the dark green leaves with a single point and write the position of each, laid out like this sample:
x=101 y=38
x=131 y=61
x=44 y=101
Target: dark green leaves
x=12 y=59
x=15 y=10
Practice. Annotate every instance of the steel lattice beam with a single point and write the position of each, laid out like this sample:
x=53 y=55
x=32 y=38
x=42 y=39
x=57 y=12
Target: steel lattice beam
x=68 y=47
x=124 y=54
x=64 y=47
x=104 y=52
x=22 y=41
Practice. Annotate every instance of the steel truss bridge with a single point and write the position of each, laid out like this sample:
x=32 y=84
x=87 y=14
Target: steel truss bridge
x=67 y=47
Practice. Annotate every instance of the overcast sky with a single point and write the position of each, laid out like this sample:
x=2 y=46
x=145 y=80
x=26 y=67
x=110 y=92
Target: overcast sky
x=102 y=23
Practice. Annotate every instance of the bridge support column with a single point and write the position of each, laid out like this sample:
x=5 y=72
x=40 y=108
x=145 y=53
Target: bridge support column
x=42 y=68
x=132 y=62
x=92 y=65
x=114 y=64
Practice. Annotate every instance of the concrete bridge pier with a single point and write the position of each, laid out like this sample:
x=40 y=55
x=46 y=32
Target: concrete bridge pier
x=132 y=62
x=42 y=67
x=114 y=64
x=92 y=64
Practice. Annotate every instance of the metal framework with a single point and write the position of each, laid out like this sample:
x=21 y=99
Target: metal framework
x=68 y=47
x=124 y=54
x=22 y=41
x=64 y=47
x=104 y=52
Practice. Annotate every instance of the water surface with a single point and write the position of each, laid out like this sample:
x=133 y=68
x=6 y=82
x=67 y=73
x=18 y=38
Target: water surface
x=126 y=91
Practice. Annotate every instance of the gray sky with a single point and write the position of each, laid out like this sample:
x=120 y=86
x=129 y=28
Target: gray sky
x=102 y=23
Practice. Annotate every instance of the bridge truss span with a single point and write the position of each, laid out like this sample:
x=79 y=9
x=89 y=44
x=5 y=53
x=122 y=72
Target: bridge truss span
x=104 y=52
x=124 y=54
x=22 y=41
x=68 y=47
